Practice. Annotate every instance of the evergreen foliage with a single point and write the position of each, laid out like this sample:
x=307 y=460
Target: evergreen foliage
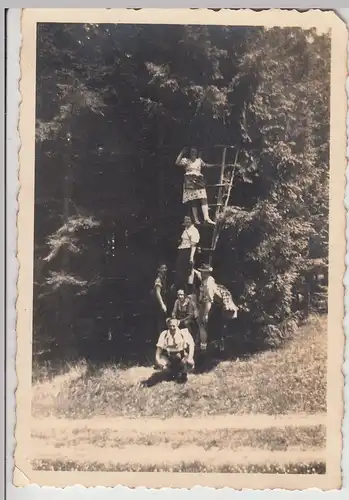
x=115 y=104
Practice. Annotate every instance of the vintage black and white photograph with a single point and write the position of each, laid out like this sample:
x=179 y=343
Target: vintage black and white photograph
x=179 y=271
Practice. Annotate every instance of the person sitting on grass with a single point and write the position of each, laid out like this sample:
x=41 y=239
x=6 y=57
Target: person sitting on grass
x=175 y=351
x=184 y=311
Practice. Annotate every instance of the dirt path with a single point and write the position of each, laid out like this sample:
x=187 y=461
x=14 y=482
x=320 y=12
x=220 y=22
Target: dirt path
x=165 y=455
x=252 y=421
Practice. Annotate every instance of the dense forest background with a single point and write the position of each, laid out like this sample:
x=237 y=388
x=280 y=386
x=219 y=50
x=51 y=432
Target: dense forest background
x=115 y=105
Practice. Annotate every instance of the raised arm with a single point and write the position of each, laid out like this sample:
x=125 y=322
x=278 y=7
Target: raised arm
x=180 y=156
x=207 y=165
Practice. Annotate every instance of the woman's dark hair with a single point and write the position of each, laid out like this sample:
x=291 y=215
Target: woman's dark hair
x=187 y=216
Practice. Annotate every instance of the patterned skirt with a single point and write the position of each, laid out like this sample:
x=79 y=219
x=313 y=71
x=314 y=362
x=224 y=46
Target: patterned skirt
x=194 y=188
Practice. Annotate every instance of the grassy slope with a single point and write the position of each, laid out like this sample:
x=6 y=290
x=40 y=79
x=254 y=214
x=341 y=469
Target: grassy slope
x=292 y=379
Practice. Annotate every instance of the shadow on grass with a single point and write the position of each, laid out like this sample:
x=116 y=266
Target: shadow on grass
x=162 y=376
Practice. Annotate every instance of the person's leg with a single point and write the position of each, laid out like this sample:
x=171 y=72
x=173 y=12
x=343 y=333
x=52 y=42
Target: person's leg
x=191 y=276
x=195 y=332
x=182 y=371
x=180 y=275
x=174 y=367
x=224 y=331
x=202 y=327
x=195 y=212
x=204 y=207
x=161 y=323
x=183 y=268
x=187 y=324
x=181 y=324
x=169 y=367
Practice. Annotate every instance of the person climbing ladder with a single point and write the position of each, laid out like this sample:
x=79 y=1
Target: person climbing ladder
x=194 y=189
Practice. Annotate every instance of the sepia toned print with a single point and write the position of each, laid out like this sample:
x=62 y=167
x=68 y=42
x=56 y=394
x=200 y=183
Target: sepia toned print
x=181 y=244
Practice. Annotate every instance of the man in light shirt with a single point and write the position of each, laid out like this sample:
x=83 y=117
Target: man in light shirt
x=175 y=351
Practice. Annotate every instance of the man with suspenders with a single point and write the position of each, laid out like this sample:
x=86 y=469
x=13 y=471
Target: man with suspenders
x=175 y=351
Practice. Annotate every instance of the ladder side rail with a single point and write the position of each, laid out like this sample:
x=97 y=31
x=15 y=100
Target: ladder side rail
x=232 y=179
x=217 y=228
x=219 y=203
x=221 y=178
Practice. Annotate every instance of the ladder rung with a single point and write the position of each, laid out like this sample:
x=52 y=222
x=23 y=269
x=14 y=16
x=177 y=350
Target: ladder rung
x=218 y=185
x=207 y=249
x=225 y=165
x=224 y=146
x=216 y=204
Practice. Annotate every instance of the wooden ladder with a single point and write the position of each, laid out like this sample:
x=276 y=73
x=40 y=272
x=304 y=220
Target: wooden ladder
x=224 y=189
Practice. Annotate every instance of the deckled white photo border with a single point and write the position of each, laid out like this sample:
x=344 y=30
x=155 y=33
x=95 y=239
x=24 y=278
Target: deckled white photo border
x=13 y=144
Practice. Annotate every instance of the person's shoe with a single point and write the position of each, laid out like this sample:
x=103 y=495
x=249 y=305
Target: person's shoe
x=203 y=346
x=210 y=221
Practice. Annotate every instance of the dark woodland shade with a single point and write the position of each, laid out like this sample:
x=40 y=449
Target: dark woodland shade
x=115 y=105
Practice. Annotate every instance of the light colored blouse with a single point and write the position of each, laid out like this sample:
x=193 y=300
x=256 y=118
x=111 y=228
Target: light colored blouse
x=190 y=237
x=192 y=167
